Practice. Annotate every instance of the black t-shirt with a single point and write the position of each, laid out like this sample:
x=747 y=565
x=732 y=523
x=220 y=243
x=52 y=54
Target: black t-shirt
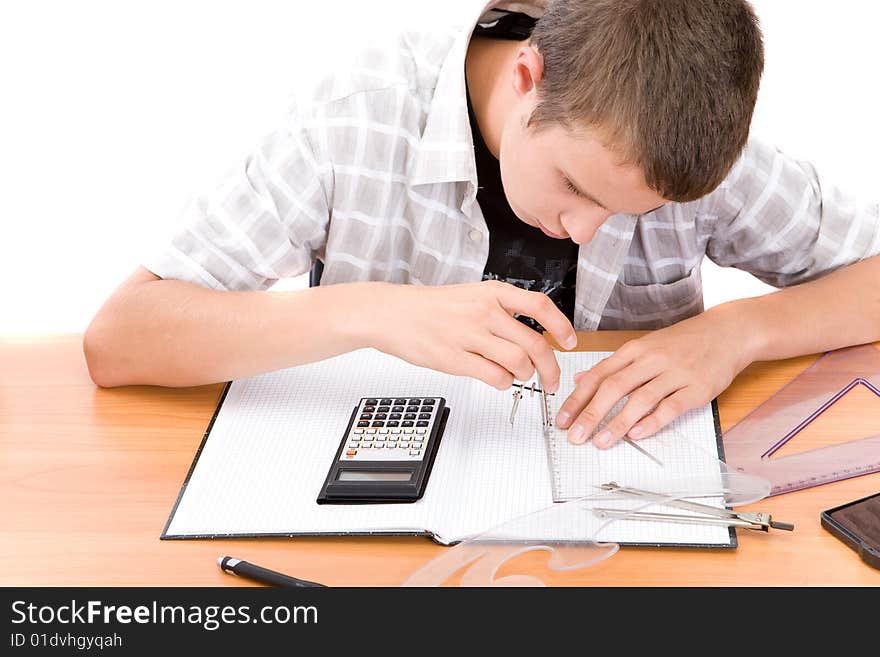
x=521 y=254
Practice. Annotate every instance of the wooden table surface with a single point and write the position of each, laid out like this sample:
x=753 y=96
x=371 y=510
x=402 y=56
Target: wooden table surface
x=88 y=477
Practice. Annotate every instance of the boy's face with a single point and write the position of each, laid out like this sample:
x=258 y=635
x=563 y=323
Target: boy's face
x=566 y=183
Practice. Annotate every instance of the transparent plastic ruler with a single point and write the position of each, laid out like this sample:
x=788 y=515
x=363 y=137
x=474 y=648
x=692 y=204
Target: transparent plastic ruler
x=766 y=442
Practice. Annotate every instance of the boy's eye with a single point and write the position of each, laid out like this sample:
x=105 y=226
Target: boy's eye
x=574 y=190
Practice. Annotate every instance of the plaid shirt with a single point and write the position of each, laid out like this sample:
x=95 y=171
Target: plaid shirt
x=373 y=173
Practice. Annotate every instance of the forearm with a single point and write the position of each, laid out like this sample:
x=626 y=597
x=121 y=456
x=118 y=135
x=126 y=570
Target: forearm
x=838 y=310
x=172 y=333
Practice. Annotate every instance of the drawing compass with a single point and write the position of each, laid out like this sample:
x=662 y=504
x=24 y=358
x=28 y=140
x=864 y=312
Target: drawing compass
x=710 y=515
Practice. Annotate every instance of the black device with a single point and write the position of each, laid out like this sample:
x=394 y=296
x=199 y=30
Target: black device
x=857 y=524
x=387 y=451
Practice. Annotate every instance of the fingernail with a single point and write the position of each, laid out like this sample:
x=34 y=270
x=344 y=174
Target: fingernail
x=636 y=432
x=603 y=439
x=563 y=417
x=571 y=342
x=575 y=434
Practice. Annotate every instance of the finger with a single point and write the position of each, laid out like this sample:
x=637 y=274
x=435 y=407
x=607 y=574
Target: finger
x=587 y=384
x=610 y=392
x=478 y=367
x=541 y=308
x=640 y=403
x=509 y=355
x=534 y=346
x=667 y=411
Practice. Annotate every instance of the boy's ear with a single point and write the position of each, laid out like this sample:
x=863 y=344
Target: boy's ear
x=528 y=69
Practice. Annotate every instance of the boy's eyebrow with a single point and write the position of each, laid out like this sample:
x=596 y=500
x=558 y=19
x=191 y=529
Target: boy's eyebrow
x=581 y=191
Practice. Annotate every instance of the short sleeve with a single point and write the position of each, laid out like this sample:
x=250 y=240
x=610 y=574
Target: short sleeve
x=777 y=219
x=266 y=220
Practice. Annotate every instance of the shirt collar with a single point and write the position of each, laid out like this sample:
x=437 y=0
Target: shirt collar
x=446 y=150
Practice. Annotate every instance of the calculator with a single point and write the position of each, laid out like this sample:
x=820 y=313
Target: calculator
x=387 y=451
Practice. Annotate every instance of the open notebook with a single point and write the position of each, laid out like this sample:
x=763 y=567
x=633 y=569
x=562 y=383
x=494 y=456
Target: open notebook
x=271 y=441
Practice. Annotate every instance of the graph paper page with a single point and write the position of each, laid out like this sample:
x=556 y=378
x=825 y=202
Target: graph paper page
x=275 y=436
x=272 y=442
x=687 y=450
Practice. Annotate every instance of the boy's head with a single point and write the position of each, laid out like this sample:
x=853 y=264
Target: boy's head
x=623 y=105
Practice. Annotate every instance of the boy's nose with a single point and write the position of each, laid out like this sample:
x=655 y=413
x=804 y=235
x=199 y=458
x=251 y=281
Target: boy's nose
x=582 y=229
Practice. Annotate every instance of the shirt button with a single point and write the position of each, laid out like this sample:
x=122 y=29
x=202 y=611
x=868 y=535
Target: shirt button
x=475 y=235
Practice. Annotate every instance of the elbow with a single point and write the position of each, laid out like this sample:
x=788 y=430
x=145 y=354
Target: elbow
x=97 y=349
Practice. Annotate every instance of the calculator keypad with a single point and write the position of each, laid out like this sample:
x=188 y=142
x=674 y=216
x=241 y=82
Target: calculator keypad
x=381 y=435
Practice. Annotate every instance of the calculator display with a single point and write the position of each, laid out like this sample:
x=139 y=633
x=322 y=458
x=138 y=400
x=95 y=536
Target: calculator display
x=360 y=475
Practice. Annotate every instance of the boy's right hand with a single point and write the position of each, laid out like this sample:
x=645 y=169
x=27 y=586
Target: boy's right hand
x=469 y=330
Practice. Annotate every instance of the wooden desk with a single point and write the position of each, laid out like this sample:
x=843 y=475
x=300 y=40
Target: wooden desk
x=88 y=478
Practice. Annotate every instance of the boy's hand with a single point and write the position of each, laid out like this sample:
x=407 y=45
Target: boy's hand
x=470 y=330
x=665 y=373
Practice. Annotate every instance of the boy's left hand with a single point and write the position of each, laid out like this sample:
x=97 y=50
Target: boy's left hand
x=665 y=373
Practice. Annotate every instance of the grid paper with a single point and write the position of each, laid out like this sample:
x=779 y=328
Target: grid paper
x=687 y=449
x=274 y=438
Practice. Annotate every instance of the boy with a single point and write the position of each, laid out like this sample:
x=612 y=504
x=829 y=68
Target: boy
x=453 y=184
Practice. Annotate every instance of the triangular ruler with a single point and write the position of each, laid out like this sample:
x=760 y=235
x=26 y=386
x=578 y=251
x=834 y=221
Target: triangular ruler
x=760 y=443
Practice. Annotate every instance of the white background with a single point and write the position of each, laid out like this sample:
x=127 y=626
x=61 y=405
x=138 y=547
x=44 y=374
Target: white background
x=114 y=114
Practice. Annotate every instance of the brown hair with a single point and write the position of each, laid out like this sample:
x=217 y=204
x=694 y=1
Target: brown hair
x=670 y=83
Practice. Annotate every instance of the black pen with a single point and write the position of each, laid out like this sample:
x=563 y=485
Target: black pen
x=263 y=575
